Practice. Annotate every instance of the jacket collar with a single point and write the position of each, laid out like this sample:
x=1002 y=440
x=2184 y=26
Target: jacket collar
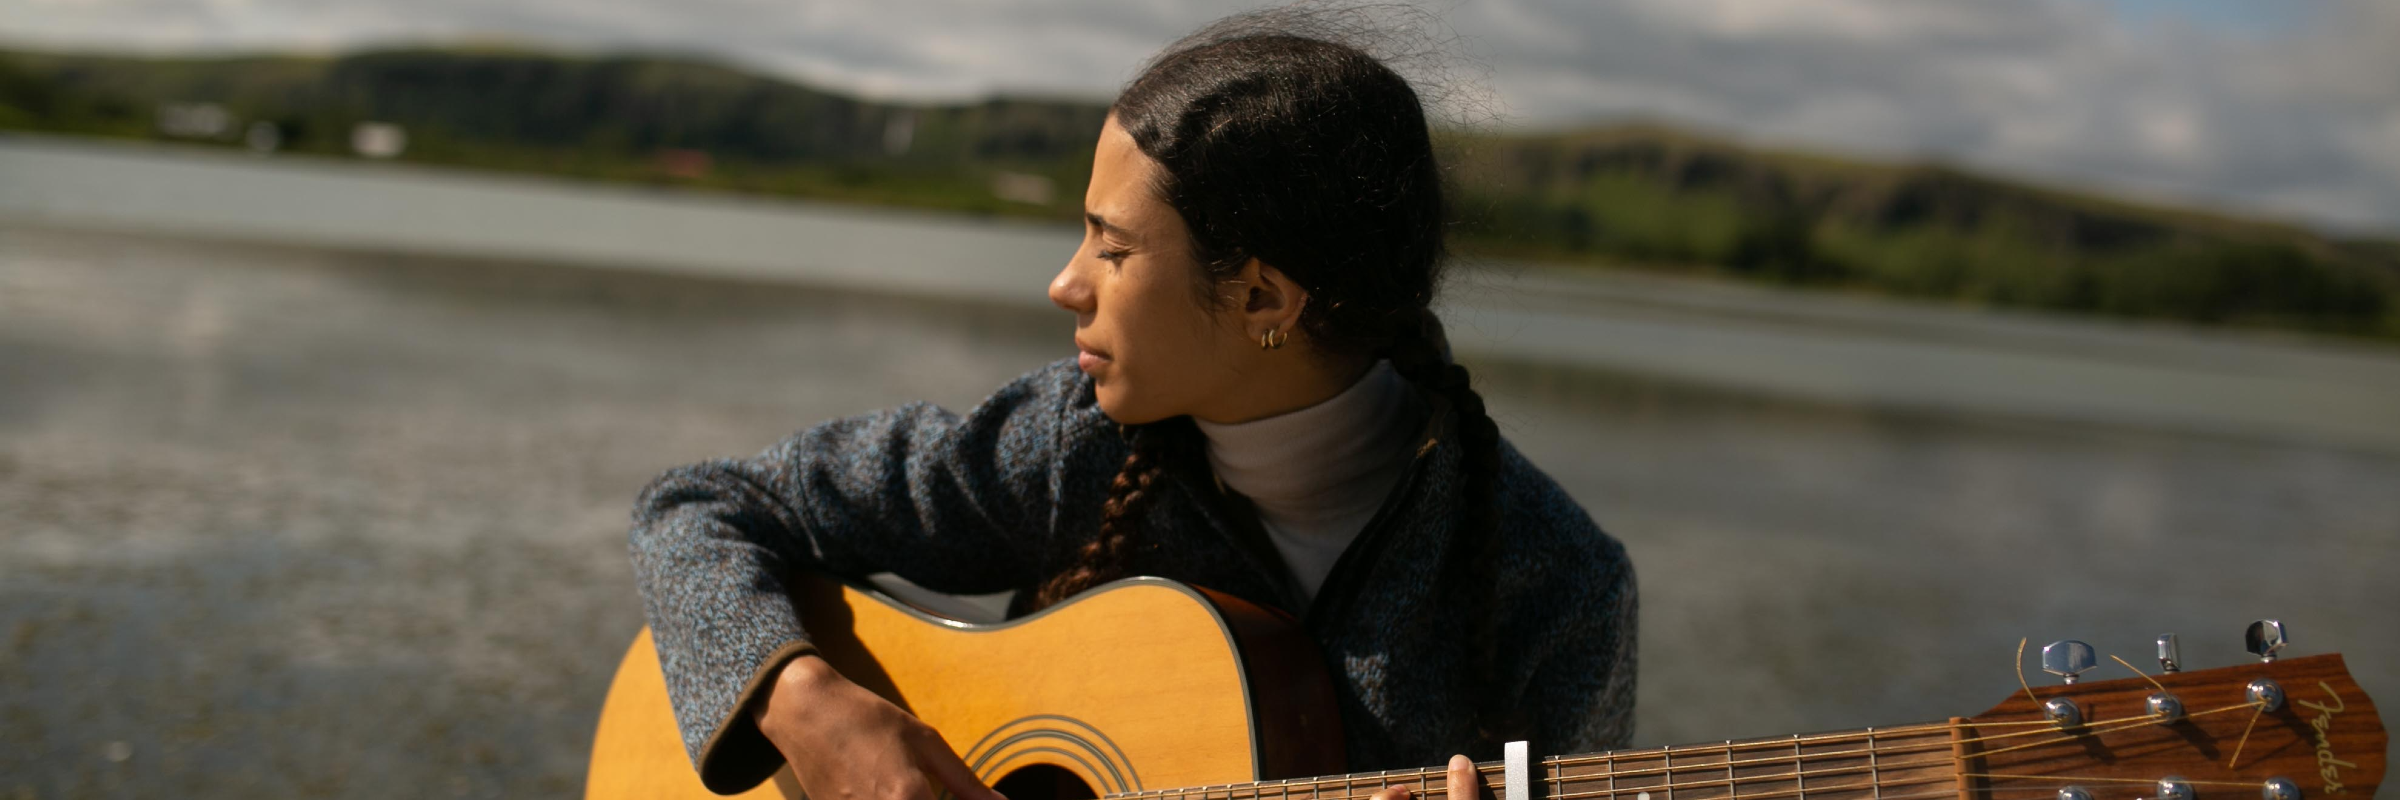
x=1422 y=489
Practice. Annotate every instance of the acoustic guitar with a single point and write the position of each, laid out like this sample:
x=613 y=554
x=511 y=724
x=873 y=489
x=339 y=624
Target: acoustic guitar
x=1147 y=689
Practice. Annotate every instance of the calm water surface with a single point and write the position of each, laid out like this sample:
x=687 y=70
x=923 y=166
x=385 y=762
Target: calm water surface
x=284 y=522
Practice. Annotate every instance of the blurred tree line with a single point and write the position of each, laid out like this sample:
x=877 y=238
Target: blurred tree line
x=1631 y=196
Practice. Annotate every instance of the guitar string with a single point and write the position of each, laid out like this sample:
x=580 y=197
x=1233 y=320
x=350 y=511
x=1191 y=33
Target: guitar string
x=1827 y=791
x=2093 y=779
x=1951 y=794
x=2021 y=672
x=1941 y=728
x=1798 y=762
x=2097 y=728
x=1489 y=770
x=2113 y=727
x=1647 y=789
x=1561 y=781
x=1775 y=777
x=1801 y=771
x=1928 y=728
x=2138 y=671
x=2101 y=727
x=1777 y=759
x=2237 y=746
x=1484 y=770
x=1443 y=793
x=1799 y=765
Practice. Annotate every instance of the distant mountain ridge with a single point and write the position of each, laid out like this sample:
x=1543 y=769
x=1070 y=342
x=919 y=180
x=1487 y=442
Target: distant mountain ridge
x=1633 y=195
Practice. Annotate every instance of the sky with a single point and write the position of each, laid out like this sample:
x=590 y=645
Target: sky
x=2281 y=108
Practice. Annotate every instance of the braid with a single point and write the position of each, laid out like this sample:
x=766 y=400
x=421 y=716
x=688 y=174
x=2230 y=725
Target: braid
x=1419 y=352
x=1278 y=139
x=1107 y=557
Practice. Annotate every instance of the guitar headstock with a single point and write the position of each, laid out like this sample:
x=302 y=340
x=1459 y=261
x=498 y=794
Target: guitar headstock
x=2284 y=729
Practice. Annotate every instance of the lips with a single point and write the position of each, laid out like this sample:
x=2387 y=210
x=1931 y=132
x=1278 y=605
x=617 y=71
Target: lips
x=1088 y=358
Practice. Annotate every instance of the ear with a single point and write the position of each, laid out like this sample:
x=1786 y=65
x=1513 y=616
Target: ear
x=1270 y=299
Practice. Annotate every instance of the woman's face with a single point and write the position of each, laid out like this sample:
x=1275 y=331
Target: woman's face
x=1153 y=347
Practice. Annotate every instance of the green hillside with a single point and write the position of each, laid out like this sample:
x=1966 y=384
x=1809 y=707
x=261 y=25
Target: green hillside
x=1660 y=197
x=621 y=118
x=1641 y=197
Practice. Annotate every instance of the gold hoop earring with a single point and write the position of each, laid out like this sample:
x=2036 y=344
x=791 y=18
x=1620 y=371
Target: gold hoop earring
x=1272 y=340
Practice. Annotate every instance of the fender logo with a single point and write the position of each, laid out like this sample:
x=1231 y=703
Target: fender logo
x=2328 y=767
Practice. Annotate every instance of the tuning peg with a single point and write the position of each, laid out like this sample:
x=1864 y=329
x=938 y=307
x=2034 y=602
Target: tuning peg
x=2067 y=659
x=2170 y=657
x=2264 y=638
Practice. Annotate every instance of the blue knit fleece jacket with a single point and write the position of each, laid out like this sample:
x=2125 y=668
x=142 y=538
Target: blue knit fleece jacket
x=1426 y=661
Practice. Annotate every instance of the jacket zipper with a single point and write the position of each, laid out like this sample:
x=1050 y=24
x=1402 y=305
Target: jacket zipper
x=1376 y=535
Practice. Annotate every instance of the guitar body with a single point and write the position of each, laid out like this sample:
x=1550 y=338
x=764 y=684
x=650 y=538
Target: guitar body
x=1141 y=684
x=1153 y=687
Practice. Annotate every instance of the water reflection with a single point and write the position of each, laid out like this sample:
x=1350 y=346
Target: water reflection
x=300 y=522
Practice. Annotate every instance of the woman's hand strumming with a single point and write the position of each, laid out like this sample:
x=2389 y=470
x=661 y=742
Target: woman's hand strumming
x=846 y=743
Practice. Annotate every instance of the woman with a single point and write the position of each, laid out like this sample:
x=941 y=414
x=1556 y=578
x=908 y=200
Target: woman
x=1262 y=404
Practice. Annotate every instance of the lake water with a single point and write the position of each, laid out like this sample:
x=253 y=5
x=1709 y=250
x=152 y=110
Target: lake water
x=336 y=517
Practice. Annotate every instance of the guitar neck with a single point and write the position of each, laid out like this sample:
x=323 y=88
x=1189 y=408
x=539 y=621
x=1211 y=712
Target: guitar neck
x=1918 y=761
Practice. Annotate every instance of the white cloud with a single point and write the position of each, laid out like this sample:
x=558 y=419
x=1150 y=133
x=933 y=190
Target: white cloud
x=2299 y=118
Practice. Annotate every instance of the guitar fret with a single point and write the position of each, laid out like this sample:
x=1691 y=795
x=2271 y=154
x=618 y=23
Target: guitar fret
x=1732 y=789
x=1667 y=758
x=1874 y=770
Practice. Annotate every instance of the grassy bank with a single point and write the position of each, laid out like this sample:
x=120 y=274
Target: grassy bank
x=1638 y=197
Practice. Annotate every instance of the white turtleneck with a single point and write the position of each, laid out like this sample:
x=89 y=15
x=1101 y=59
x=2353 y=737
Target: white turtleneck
x=1317 y=475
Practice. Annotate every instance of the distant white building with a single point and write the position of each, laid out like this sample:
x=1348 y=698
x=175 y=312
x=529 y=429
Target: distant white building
x=263 y=137
x=378 y=139
x=194 y=120
x=899 y=132
x=1018 y=187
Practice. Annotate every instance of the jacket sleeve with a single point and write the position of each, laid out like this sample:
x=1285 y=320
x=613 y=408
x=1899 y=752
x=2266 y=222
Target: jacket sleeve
x=956 y=504
x=1581 y=696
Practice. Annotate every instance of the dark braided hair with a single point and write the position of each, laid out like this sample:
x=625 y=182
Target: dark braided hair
x=1276 y=140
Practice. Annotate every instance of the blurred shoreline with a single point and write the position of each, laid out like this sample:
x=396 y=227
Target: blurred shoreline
x=1650 y=197
x=1841 y=349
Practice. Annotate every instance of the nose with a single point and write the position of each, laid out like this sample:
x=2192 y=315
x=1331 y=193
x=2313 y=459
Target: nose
x=1072 y=290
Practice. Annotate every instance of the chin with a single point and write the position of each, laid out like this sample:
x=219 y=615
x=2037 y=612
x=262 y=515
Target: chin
x=1124 y=410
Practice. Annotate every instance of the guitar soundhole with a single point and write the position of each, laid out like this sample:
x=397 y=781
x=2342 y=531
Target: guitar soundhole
x=1044 y=782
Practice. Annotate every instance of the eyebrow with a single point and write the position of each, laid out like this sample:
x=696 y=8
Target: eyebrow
x=1094 y=218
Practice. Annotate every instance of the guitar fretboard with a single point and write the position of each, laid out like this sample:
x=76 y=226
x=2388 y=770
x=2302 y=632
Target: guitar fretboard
x=1907 y=763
